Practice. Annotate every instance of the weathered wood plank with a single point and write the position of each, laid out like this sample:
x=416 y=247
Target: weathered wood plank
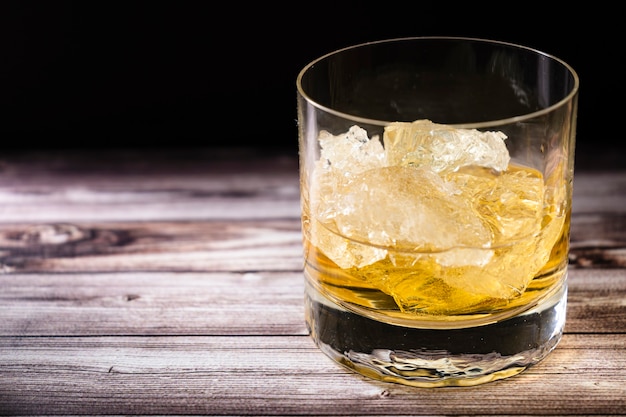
x=259 y=303
x=599 y=192
x=170 y=283
x=109 y=166
x=586 y=374
x=186 y=186
x=598 y=240
x=165 y=206
x=149 y=187
x=166 y=246
x=152 y=304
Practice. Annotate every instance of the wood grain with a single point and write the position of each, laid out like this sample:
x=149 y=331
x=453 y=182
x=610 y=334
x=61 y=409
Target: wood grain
x=152 y=246
x=171 y=284
x=225 y=303
x=247 y=375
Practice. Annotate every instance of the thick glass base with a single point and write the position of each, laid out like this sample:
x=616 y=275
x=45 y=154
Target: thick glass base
x=426 y=357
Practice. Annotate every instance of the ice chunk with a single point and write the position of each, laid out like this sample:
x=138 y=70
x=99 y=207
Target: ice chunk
x=407 y=207
x=510 y=203
x=351 y=152
x=342 y=157
x=443 y=148
x=346 y=253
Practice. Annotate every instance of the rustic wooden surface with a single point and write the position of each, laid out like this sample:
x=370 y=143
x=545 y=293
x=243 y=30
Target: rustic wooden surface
x=170 y=283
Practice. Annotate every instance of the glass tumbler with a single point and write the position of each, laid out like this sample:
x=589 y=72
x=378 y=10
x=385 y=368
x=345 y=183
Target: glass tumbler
x=436 y=188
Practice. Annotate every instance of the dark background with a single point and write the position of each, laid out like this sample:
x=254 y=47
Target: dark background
x=149 y=74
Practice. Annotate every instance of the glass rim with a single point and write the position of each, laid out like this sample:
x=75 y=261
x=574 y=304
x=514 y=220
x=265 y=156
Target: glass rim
x=485 y=124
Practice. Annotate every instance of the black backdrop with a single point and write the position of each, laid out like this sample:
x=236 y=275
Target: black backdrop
x=149 y=74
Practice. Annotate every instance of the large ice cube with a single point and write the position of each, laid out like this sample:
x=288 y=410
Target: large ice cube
x=443 y=148
x=409 y=208
x=509 y=203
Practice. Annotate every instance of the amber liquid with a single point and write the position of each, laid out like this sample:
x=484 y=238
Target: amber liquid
x=429 y=327
x=442 y=304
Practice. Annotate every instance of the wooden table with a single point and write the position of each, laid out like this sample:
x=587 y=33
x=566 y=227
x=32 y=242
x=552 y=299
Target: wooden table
x=170 y=283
